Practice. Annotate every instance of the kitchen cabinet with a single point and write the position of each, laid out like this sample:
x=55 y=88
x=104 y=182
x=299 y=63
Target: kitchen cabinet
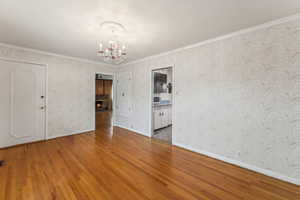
x=162 y=116
x=103 y=87
x=157 y=119
x=170 y=115
x=103 y=94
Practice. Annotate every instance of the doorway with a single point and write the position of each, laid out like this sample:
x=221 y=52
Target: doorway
x=103 y=101
x=22 y=102
x=162 y=104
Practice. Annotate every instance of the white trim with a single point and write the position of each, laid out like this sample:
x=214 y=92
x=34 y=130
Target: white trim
x=46 y=86
x=241 y=164
x=46 y=101
x=21 y=61
x=151 y=124
x=212 y=40
x=133 y=130
x=69 y=134
x=236 y=33
x=56 y=55
x=113 y=74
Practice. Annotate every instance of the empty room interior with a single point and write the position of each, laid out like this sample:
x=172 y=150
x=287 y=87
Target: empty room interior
x=154 y=100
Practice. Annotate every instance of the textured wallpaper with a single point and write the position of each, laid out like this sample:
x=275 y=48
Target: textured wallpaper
x=70 y=90
x=238 y=97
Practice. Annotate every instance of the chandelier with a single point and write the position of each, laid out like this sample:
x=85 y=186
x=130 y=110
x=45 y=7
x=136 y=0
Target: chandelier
x=114 y=51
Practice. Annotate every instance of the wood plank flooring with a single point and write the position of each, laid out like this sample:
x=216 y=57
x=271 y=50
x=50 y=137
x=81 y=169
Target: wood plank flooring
x=113 y=163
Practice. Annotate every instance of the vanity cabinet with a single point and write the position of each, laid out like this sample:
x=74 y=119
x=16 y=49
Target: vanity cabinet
x=162 y=116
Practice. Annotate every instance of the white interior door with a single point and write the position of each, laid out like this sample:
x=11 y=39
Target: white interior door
x=22 y=103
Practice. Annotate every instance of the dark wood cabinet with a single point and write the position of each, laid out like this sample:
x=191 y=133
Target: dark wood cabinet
x=103 y=94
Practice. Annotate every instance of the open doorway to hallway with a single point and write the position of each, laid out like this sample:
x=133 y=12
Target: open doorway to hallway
x=162 y=99
x=103 y=101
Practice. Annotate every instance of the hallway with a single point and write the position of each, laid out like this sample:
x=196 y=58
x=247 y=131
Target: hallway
x=104 y=120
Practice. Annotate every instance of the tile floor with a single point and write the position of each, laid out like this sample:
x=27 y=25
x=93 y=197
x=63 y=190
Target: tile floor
x=164 y=134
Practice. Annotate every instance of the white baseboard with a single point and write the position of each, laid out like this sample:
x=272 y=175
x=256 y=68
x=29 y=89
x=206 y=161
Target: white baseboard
x=243 y=165
x=68 y=134
x=130 y=129
x=229 y=160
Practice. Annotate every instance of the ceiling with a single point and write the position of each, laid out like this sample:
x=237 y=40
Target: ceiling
x=71 y=27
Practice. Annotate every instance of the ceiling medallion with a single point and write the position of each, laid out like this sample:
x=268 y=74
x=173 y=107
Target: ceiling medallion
x=114 y=51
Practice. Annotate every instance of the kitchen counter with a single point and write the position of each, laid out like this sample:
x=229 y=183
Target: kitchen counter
x=161 y=104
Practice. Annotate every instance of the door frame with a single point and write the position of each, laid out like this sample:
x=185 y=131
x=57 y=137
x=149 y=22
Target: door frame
x=46 y=87
x=114 y=97
x=151 y=109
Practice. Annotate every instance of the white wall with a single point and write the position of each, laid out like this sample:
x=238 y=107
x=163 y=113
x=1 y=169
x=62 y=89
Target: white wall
x=237 y=98
x=138 y=118
x=71 y=89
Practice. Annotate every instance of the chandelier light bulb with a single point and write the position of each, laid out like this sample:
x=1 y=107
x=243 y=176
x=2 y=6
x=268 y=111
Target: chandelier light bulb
x=114 y=51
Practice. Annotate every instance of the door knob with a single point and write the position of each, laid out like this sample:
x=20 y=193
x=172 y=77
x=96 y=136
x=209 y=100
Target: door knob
x=42 y=107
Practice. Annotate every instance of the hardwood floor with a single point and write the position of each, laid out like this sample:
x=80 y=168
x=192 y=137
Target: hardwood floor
x=104 y=121
x=118 y=164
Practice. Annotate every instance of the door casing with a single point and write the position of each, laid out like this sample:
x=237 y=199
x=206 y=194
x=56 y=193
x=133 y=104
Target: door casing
x=151 y=109
x=114 y=85
x=45 y=66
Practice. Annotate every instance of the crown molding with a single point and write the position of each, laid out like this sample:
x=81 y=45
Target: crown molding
x=54 y=54
x=205 y=42
x=227 y=36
